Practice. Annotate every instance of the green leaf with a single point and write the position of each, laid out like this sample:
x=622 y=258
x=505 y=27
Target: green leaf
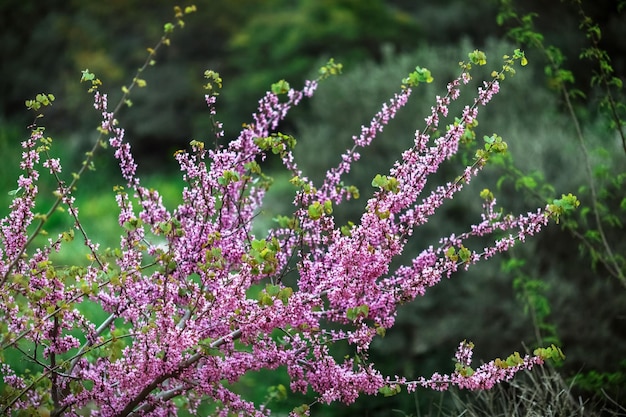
x=494 y=144
x=272 y=290
x=553 y=352
x=281 y=87
x=132 y=224
x=168 y=27
x=14 y=192
x=87 y=76
x=277 y=393
x=265 y=299
x=514 y=360
x=464 y=254
x=420 y=75
x=451 y=254
x=354 y=192
x=258 y=245
x=346 y=230
x=566 y=202
x=389 y=391
x=68 y=236
x=386 y=183
x=354 y=313
x=593 y=235
x=328 y=207
x=165 y=227
x=526 y=182
x=331 y=68
x=379 y=181
x=297 y=181
x=283 y=221
x=301 y=410
x=486 y=194
x=214 y=83
x=463 y=370
x=478 y=57
x=228 y=177
x=315 y=210
x=284 y=294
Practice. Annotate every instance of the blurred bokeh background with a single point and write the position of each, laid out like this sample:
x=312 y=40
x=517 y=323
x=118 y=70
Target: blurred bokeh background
x=253 y=43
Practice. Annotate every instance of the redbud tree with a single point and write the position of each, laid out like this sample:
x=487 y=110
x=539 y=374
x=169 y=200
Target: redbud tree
x=194 y=299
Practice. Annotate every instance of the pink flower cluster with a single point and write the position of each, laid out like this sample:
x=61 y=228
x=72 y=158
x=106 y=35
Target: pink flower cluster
x=194 y=300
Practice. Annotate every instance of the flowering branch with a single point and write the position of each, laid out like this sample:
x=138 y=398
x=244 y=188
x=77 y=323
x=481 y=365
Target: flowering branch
x=187 y=317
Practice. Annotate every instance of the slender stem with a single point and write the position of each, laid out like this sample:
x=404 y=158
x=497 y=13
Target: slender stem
x=50 y=370
x=615 y=270
x=130 y=407
x=105 y=325
x=86 y=162
x=610 y=262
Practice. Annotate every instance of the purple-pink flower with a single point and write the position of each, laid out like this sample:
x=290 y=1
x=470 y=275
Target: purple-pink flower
x=194 y=300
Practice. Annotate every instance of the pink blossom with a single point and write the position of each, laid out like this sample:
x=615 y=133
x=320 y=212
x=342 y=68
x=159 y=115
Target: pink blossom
x=194 y=300
x=54 y=164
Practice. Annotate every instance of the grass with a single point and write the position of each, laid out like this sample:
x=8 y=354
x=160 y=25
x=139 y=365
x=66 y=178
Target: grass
x=541 y=392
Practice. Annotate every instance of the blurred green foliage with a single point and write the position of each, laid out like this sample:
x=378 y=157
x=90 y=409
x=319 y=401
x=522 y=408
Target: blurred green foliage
x=289 y=37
